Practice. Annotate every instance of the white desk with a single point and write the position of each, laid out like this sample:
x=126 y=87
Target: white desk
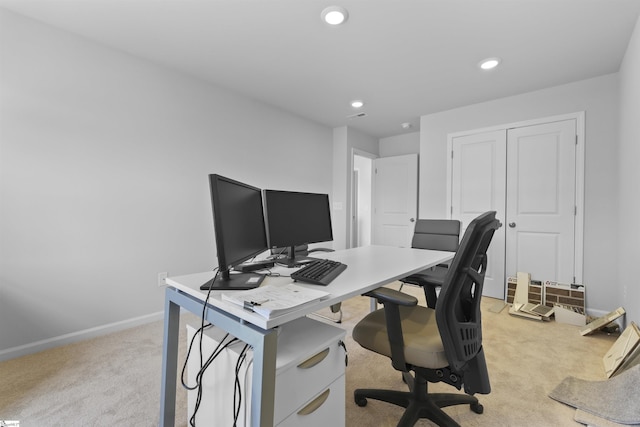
x=368 y=268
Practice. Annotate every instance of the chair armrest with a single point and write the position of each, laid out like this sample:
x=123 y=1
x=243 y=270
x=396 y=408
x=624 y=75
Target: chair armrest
x=320 y=250
x=428 y=282
x=392 y=300
x=392 y=296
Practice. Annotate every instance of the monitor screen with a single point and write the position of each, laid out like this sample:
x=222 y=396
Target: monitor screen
x=295 y=218
x=238 y=220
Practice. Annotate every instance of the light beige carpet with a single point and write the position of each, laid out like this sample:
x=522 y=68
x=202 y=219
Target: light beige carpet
x=115 y=379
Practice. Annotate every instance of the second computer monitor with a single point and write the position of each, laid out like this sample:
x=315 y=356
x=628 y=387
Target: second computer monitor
x=295 y=218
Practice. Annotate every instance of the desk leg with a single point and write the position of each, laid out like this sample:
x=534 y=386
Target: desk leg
x=169 y=362
x=264 y=380
x=264 y=345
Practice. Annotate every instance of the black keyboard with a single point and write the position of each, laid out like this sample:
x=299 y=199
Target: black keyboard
x=320 y=272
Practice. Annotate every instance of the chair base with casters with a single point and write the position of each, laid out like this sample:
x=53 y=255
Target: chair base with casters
x=421 y=342
x=441 y=344
x=419 y=403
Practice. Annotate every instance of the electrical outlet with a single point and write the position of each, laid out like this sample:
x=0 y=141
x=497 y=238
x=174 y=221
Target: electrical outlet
x=161 y=277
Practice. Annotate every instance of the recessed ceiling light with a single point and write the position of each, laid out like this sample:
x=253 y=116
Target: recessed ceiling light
x=357 y=103
x=335 y=15
x=489 y=63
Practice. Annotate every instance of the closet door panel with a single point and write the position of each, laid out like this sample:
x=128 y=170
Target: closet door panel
x=478 y=185
x=541 y=201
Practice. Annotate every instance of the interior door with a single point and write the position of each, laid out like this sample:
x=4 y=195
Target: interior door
x=478 y=185
x=541 y=201
x=395 y=200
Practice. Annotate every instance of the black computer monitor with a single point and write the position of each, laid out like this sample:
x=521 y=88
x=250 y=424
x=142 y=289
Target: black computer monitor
x=295 y=218
x=238 y=221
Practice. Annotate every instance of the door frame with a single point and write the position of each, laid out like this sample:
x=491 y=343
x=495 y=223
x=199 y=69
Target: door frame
x=579 y=117
x=352 y=198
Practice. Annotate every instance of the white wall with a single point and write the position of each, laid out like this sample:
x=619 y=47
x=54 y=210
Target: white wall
x=628 y=214
x=103 y=179
x=598 y=97
x=399 y=145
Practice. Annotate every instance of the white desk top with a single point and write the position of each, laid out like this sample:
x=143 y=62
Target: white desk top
x=368 y=268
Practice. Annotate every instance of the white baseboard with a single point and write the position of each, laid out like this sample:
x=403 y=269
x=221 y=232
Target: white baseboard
x=38 y=346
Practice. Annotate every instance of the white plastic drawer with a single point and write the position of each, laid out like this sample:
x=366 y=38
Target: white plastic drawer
x=301 y=382
x=301 y=371
x=326 y=408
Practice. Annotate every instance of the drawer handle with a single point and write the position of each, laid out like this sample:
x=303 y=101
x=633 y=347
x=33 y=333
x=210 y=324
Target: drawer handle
x=314 y=360
x=315 y=403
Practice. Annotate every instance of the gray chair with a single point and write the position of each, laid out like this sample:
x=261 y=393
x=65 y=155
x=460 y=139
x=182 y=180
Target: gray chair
x=438 y=234
x=438 y=345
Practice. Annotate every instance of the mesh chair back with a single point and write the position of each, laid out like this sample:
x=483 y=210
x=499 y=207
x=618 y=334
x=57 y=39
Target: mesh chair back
x=458 y=306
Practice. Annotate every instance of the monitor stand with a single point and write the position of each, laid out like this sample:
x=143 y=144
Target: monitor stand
x=233 y=282
x=293 y=260
x=299 y=261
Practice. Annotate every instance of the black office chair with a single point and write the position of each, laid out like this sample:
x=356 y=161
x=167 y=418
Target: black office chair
x=438 y=234
x=302 y=251
x=439 y=345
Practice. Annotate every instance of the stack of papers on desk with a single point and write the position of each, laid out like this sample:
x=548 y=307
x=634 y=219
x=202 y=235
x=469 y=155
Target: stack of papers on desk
x=274 y=300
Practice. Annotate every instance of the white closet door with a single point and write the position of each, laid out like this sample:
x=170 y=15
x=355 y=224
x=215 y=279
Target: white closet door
x=478 y=186
x=541 y=201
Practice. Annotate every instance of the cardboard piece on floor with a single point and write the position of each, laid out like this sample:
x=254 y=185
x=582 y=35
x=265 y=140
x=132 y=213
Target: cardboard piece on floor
x=569 y=315
x=497 y=307
x=626 y=343
x=601 y=322
x=629 y=362
x=568 y=301
x=521 y=306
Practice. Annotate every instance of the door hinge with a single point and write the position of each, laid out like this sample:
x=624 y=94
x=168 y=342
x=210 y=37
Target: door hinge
x=575 y=211
x=452 y=154
x=576 y=139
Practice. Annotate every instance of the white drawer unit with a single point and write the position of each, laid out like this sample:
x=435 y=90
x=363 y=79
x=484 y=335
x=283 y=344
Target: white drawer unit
x=325 y=409
x=309 y=387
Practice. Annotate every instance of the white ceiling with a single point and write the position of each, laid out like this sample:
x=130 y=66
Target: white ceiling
x=404 y=58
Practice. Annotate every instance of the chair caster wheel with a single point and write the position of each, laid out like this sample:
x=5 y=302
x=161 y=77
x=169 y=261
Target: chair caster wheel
x=361 y=401
x=477 y=408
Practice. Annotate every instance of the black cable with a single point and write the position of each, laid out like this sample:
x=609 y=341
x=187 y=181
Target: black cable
x=199 y=331
x=203 y=366
x=204 y=307
x=200 y=375
x=192 y=420
x=279 y=254
x=184 y=366
x=270 y=273
x=237 y=387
